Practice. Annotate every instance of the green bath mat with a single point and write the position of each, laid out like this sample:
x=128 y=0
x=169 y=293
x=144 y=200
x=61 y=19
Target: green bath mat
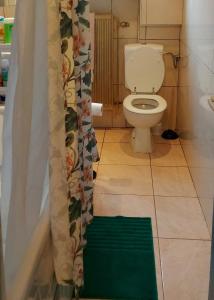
x=119 y=259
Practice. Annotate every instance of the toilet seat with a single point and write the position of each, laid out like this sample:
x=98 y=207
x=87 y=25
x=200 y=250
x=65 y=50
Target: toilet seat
x=158 y=102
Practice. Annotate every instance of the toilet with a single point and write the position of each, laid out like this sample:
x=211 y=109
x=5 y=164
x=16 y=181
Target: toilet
x=144 y=75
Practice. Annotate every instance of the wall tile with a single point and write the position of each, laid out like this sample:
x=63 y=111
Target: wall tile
x=142 y=33
x=171 y=73
x=129 y=32
x=169 y=45
x=164 y=12
x=118 y=116
x=9 y=11
x=127 y=10
x=105 y=120
x=169 y=118
x=101 y=6
x=163 y=32
x=123 y=92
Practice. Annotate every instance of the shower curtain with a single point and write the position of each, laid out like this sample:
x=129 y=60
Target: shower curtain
x=49 y=122
x=2 y=285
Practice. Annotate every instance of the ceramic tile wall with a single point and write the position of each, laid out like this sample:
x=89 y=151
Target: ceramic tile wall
x=162 y=12
x=128 y=10
x=196 y=85
x=7 y=11
x=9 y=2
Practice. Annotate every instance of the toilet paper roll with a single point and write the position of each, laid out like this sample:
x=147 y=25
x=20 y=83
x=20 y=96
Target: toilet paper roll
x=97 y=109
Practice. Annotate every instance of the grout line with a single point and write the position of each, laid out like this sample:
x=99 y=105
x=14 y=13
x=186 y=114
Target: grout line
x=156 y=221
x=146 y=195
x=171 y=166
x=143 y=195
x=140 y=165
x=122 y=165
x=184 y=239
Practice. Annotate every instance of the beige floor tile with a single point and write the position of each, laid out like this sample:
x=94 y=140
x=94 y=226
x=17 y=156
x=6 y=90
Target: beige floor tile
x=185 y=268
x=199 y=155
x=168 y=155
x=127 y=206
x=118 y=135
x=172 y=181
x=159 y=140
x=122 y=154
x=179 y=217
x=158 y=269
x=100 y=135
x=113 y=179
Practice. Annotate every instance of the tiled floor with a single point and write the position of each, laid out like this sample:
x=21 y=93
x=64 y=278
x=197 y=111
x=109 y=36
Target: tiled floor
x=157 y=186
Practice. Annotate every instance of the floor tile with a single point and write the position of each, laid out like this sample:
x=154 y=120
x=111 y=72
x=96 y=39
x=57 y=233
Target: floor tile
x=179 y=217
x=100 y=135
x=172 y=181
x=168 y=155
x=158 y=269
x=113 y=179
x=159 y=140
x=127 y=206
x=118 y=135
x=185 y=268
x=122 y=153
x=199 y=155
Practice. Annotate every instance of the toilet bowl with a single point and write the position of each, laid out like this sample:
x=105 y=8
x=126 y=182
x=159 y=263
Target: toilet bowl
x=143 y=109
x=143 y=112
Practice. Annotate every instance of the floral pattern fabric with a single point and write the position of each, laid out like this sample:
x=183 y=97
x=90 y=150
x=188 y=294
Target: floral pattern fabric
x=83 y=82
x=73 y=144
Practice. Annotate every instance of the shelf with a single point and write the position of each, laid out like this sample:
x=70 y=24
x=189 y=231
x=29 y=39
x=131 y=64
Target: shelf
x=3 y=90
x=5 y=47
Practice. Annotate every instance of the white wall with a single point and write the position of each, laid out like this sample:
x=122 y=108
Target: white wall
x=196 y=84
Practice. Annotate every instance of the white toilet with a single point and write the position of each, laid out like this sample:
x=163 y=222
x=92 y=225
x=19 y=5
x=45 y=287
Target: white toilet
x=144 y=75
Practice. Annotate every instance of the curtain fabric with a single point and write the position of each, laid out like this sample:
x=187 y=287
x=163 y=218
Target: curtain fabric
x=80 y=148
x=25 y=145
x=2 y=284
x=49 y=142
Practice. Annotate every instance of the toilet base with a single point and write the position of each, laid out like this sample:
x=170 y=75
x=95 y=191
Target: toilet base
x=141 y=140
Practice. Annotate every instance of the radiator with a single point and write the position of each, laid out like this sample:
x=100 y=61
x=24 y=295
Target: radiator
x=105 y=59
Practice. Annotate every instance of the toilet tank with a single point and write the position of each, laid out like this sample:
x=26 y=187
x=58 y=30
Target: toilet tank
x=144 y=67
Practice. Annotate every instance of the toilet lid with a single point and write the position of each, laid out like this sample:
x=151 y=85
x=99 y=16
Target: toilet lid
x=145 y=70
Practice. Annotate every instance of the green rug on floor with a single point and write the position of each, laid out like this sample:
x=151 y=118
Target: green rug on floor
x=119 y=259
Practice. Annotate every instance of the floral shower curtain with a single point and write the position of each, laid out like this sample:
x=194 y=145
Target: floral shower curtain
x=72 y=140
x=48 y=123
